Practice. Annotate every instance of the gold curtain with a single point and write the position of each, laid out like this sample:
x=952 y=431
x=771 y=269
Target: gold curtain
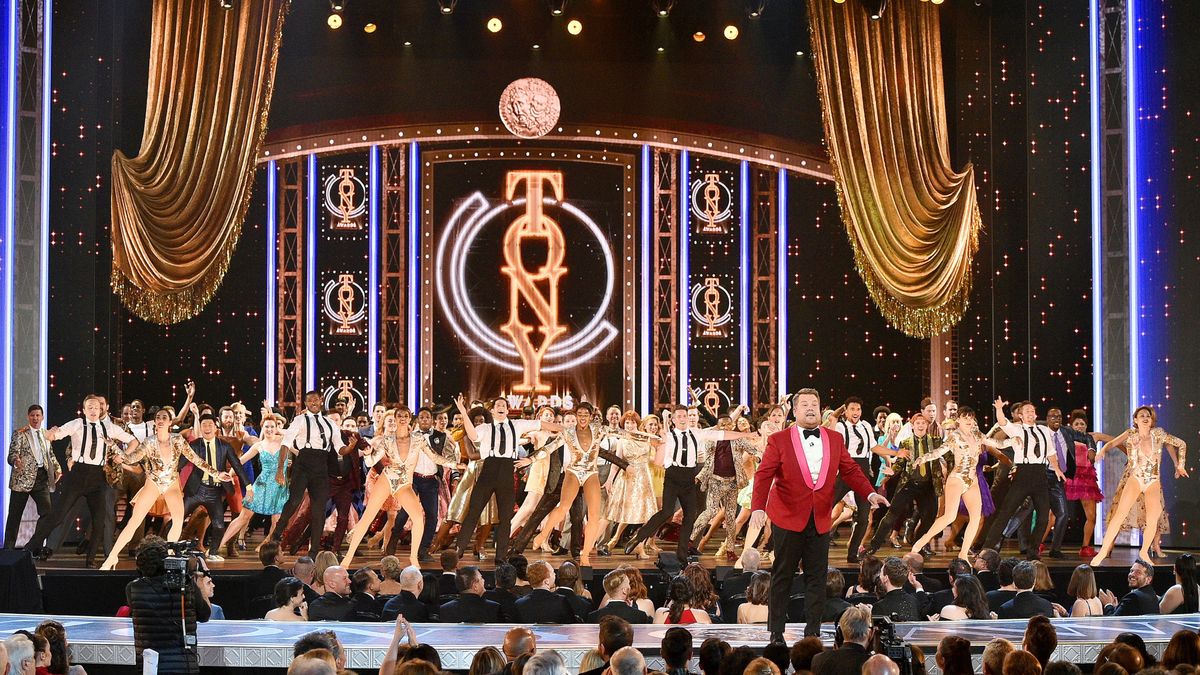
x=177 y=207
x=912 y=220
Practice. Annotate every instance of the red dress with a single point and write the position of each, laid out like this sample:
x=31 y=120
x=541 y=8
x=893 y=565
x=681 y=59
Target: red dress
x=685 y=618
x=1084 y=485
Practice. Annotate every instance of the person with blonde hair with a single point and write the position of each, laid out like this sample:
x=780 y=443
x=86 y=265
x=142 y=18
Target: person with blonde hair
x=761 y=666
x=631 y=496
x=489 y=660
x=269 y=493
x=323 y=561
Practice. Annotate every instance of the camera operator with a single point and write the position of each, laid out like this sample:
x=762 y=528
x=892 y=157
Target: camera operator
x=154 y=601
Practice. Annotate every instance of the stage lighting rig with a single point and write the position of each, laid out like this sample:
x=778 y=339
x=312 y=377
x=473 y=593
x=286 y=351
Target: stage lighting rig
x=557 y=7
x=337 y=5
x=447 y=6
x=755 y=8
x=662 y=8
x=875 y=8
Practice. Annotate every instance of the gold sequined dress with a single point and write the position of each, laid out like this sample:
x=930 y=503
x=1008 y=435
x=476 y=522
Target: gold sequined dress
x=632 y=497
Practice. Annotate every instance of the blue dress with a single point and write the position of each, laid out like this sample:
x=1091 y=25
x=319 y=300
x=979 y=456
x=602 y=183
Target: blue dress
x=269 y=496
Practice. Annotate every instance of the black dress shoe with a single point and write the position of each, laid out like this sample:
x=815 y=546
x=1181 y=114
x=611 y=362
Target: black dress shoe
x=44 y=553
x=628 y=550
x=777 y=638
x=926 y=552
x=603 y=552
x=81 y=547
x=1055 y=553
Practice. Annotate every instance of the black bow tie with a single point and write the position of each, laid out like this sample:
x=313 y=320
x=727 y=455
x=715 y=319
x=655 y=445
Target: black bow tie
x=812 y=433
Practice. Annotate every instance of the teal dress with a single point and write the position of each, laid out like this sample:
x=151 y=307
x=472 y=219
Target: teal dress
x=269 y=495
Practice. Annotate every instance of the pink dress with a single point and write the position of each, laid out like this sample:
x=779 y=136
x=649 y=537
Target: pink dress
x=1084 y=485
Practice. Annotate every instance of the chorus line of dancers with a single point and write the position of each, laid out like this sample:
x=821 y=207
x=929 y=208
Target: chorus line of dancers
x=453 y=477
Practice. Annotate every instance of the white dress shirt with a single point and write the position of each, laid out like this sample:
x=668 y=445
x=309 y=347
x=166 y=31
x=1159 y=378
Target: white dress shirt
x=859 y=437
x=88 y=439
x=814 y=452
x=315 y=431
x=141 y=430
x=503 y=439
x=1036 y=442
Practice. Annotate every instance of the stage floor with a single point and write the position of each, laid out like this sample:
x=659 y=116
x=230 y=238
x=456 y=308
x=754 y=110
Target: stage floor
x=262 y=644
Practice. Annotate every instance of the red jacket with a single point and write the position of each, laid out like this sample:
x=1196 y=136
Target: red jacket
x=783 y=484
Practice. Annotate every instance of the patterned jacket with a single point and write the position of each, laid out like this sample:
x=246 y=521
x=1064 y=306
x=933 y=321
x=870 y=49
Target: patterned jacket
x=739 y=448
x=23 y=478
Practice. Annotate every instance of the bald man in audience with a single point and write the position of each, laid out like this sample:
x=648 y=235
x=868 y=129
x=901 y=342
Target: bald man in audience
x=518 y=641
x=627 y=661
x=880 y=665
x=316 y=662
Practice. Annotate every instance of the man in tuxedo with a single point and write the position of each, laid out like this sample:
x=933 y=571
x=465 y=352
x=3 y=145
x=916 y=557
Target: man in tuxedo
x=506 y=580
x=896 y=601
x=448 y=581
x=469 y=607
x=543 y=605
x=616 y=587
x=794 y=484
x=263 y=583
x=736 y=584
x=364 y=597
x=916 y=565
x=615 y=634
x=1141 y=598
x=335 y=604
x=985 y=567
x=1006 y=591
x=204 y=490
x=568 y=577
x=1026 y=603
x=405 y=602
x=936 y=600
x=856 y=635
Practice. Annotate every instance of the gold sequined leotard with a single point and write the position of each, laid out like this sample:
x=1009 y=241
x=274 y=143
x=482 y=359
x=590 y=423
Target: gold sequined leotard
x=398 y=470
x=1145 y=466
x=582 y=462
x=165 y=472
x=965 y=458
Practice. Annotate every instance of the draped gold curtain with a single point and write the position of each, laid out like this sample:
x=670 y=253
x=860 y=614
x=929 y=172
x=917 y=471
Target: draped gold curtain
x=177 y=207
x=913 y=221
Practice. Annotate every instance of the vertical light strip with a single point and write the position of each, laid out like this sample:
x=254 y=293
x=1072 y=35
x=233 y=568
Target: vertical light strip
x=744 y=287
x=781 y=284
x=1097 y=170
x=413 y=349
x=44 y=224
x=685 y=309
x=312 y=299
x=272 y=281
x=1131 y=183
x=11 y=63
x=373 y=279
x=647 y=332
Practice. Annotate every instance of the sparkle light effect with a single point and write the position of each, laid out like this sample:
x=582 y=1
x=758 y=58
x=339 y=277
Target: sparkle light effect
x=272 y=328
x=781 y=274
x=683 y=281
x=647 y=328
x=311 y=292
x=373 y=289
x=744 y=285
x=413 y=259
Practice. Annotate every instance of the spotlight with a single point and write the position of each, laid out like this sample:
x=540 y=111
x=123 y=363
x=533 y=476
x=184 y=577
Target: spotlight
x=800 y=52
x=225 y=4
x=334 y=21
x=574 y=26
x=662 y=8
x=938 y=2
x=369 y=28
x=840 y=2
x=494 y=24
x=698 y=36
x=557 y=7
x=731 y=32
x=537 y=46
x=447 y=6
x=661 y=50
x=337 y=5
x=875 y=8
x=755 y=8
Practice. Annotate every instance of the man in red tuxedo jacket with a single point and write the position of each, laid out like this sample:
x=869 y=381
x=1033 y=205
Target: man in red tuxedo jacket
x=794 y=486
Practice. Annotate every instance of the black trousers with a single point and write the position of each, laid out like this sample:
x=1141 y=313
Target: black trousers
x=545 y=505
x=791 y=549
x=427 y=492
x=83 y=481
x=1019 y=523
x=495 y=479
x=679 y=485
x=212 y=498
x=912 y=494
x=40 y=492
x=1029 y=480
x=862 y=514
x=310 y=472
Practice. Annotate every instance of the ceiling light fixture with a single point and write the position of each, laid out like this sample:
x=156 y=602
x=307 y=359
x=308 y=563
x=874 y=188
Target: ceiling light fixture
x=731 y=32
x=574 y=26
x=334 y=21
x=447 y=6
x=557 y=7
x=494 y=24
x=662 y=8
x=755 y=8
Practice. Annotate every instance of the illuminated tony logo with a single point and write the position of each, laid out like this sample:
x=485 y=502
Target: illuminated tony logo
x=712 y=308
x=712 y=204
x=345 y=305
x=533 y=338
x=345 y=199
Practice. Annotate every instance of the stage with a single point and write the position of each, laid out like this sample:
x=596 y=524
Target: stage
x=262 y=645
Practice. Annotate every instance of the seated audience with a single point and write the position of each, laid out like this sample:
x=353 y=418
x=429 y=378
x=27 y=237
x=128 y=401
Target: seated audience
x=1141 y=598
x=676 y=650
x=916 y=565
x=1021 y=662
x=1061 y=668
x=803 y=652
x=503 y=594
x=761 y=666
x=1184 y=647
x=305 y=569
x=865 y=587
x=954 y=656
x=1134 y=640
x=394 y=655
x=969 y=601
x=290 y=604
x=855 y=650
x=390 y=569
x=1182 y=598
x=1111 y=669
x=323 y=561
x=521 y=564
x=405 y=601
x=470 y=605
x=627 y=661
x=335 y=602
x=570 y=586
x=60 y=649
x=916 y=660
x=316 y=662
x=994 y=654
x=704 y=595
x=616 y=590
x=614 y=634
x=712 y=651
x=542 y=604
x=262 y=585
x=1040 y=639
x=834 y=603
x=1121 y=654
x=754 y=610
x=446 y=582
x=736 y=584
x=519 y=643
x=779 y=654
x=679 y=609
x=639 y=595
x=986 y=564
x=21 y=656
x=592 y=662
x=1043 y=585
x=736 y=660
x=880 y=665
x=1082 y=587
x=1007 y=591
x=486 y=661
x=364 y=596
x=208 y=586
x=895 y=601
x=321 y=639
x=935 y=601
x=545 y=663
x=1025 y=603
x=417 y=667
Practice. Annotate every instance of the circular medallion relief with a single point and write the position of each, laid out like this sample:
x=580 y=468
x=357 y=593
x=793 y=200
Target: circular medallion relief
x=529 y=107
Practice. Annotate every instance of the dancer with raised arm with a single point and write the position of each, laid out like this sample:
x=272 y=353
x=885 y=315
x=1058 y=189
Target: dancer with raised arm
x=269 y=493
x=158 y=456
x=1143 y=443
x=399 y=446
x=965 y=445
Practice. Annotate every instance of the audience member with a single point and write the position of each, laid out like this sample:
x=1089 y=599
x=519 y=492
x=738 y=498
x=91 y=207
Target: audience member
x=519 y=641
x=895 y=601
x=704 y=595
x=422 y=651
x=1040 y=639
x=364 y=600
x=712 y=651
x=390 y=569
x=503 y=594
x=614 y=633
x=1007 y=591
x=1134 y=640
x=447 y=584
x=469 y=606
x=406 y=601
x=1062 y=668
x=638 y=593
x=880 y=665
x=542 y=604
x=679 y=609
x=954 y=656
x=866 y=586
x=916 y=660
x=1184 y=647
x=315 y=662
x=417 y=667
x=3 y=658
x=1111 y=669
x=207 y=587
x=1121 y=654
x=993 y=656
x=616 y=591
x=779 y=654
x=41 y=652
x=262 y=584
x=545 y=663
x=60 y=649
x=393 y=656
x=592 y=662
x=486 y=661
x=1020 y=662
x=985 y=567
x=969 y=601
x=1043 y=585
x=304 y=569
x=736 y=660
x=916 y=565
x=675 y=649
x=571 y=587
x=761 y=666
x=1182 y=598
x=856 y=636
x=323 y=561
x=1025 y=603
x=627 y=661
x=321 y=639
x=521 y=564
x=1141 y=598
x=736 y=584
x=290 y=604
x=802 y=653
x=335 y=602
x=754 y=610
x=1082 y=587
x=954 y=570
